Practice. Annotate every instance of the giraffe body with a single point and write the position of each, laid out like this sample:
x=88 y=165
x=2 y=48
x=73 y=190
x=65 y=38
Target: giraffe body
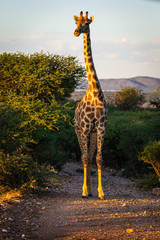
x=90 y=113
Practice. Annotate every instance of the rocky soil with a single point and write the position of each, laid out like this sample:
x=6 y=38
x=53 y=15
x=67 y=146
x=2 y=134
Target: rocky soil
x=126 y=212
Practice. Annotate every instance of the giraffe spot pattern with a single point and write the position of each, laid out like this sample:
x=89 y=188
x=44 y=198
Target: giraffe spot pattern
x=92 y=109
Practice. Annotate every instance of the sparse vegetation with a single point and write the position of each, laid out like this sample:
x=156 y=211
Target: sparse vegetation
x=155 y=98
x=148 y=182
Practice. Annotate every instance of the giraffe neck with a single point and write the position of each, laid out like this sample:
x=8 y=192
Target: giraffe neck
x=94 y=85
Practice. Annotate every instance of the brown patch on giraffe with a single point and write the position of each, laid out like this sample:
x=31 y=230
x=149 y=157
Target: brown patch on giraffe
x=101 y=97
x=102 y=119
x=82 y=124
x=87 y=125
x=99 y=112
x=94 y=85
x=89 y=60
x=86 y=131
x=88 y=109
x=91 y=68
x=86 y=120
x=85 y=41
x=84 y=105
x=101 y=125
x=102 y=131
x=82 y=115
x=90 y=115
x=88 y=103
x=89 y=77
x=87 y=68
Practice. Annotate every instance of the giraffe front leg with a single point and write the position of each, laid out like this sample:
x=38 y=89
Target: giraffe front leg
x=100 y=189
x=85 y=161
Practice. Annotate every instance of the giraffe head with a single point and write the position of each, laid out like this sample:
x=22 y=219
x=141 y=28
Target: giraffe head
x=82 y=24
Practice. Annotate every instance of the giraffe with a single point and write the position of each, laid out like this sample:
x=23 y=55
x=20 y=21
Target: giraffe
x=91 y=112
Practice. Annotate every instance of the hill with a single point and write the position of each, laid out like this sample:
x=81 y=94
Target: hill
x=146 y=83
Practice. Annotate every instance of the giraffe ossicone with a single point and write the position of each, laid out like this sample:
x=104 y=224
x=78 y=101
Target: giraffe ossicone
x=91 y=112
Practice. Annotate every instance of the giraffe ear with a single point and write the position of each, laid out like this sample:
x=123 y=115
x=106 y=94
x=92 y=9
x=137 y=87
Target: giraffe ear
x=75 y=18
x=91 y=18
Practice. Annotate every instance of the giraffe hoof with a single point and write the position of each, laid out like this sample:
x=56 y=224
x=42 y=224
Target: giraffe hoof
x=90 y=195
x=84 y=197
x=101 y=198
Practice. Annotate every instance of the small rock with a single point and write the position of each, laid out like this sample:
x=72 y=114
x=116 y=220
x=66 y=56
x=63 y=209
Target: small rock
x=4 y=230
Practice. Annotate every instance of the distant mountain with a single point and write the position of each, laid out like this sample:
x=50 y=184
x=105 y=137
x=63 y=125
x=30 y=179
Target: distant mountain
x=146 y=83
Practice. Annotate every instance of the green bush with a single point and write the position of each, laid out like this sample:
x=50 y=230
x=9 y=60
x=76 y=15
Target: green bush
x=127 y=133
x=59 y=146
x=129 y=98
x=148 y=182
x=39 y=74
x=151 y=155
x=21 y=171
x=35 y=129
x=12 y=137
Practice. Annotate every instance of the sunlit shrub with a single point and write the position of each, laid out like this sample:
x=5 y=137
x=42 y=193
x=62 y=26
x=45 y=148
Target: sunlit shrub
x=151 y=155
x=40 y=74
x=129 y=98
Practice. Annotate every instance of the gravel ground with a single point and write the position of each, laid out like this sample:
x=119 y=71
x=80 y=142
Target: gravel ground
x=126 y=212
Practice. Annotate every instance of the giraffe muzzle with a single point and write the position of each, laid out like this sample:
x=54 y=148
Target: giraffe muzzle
x=76 y=33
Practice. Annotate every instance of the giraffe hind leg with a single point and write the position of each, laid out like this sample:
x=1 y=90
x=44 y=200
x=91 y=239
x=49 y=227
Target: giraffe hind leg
x=79 y=137
x=92 y=148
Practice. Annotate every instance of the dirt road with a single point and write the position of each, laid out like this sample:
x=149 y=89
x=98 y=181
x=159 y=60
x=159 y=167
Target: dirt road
x=126 y=212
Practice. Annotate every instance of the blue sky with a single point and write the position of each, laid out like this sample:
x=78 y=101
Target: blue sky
x=125 y=34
